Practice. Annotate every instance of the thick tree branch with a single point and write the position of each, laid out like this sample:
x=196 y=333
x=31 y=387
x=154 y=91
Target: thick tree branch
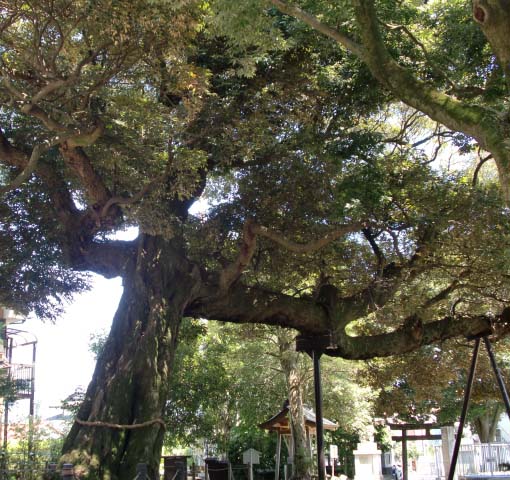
x=252 y=230
x=478 y=167
x=480 y=123
x=248 y=245
x=37 y=112
x=245 y=304
x=311 y=246
x=252 y=305
x=74 y=137
x=109 y=259
x=368 y=234
x=71 y=79
x=476 y=121
x=30 y=167
x=445 y=292
x=118 y=200
x=412 y=335
x=316 y=24
x=493 y=16
x=79 y=162
x=83 y=253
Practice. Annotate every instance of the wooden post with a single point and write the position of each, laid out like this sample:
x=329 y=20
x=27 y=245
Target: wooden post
x=67 y=471
x=278 y=452
x=404 y=455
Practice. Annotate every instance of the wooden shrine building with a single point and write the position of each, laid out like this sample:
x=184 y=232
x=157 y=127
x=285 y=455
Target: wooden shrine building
x=280 y=423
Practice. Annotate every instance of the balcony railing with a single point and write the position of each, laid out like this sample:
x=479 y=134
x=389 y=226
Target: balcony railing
x=22 y=376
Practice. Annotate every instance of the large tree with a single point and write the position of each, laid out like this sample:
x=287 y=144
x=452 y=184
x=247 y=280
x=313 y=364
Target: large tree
x=118 y=114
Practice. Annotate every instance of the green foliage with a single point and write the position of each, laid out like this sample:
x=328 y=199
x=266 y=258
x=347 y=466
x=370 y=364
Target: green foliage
x=72 y=402
x=243 y=438
x=33 y=274
x=9 y=388
x=382 y=436
x=31 y=447
x=250 y=32
x=221 y=382
x=97 y=342
x=229 y=379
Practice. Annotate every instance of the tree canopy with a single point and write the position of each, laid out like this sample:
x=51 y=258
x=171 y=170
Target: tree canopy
x=317 y=150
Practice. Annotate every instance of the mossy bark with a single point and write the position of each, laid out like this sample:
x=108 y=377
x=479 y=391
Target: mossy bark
x=289 y=361
x=130 y=383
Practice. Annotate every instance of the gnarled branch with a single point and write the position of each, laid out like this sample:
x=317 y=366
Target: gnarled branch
x=250 y=232
x=37 y=151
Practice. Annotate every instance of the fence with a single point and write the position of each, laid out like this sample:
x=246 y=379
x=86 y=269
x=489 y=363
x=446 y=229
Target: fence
x=43 y=466
x=23 y=376
x=485 y=458
x=19 y=467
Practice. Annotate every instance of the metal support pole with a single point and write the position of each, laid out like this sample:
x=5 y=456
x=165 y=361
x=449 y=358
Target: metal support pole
x=321 y=465
x=467 y=396
x=497 y=372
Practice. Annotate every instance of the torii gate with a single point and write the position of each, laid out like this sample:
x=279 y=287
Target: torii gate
x=413 y=431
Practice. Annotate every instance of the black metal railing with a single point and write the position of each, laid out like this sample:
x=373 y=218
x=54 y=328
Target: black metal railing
x=22 y=377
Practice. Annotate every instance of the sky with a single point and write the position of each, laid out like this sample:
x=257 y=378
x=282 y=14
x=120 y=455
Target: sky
x=63 y=359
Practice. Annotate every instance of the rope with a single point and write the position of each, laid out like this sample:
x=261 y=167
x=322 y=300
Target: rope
x=121 y=427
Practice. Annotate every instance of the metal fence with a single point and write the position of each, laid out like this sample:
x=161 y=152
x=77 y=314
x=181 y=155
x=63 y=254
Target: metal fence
x=485 y=458
x=23 y=377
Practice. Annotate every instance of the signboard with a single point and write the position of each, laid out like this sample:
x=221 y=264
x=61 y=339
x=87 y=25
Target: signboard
x=333 y=452
x=251 y=457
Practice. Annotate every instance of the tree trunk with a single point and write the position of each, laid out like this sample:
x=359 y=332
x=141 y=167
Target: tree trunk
x=486 y=424
x=301 y=454
x=494 y=19
x=130 y=382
